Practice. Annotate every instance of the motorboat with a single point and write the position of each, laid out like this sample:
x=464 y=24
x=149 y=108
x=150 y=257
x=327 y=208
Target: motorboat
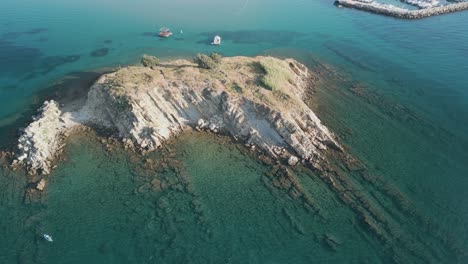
x=164 y=32
x=216 y=40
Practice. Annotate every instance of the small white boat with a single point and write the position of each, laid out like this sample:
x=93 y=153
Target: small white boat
x=48 y=237
x=216 y=40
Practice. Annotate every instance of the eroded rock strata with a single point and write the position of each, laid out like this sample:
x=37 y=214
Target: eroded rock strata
x=258 y=100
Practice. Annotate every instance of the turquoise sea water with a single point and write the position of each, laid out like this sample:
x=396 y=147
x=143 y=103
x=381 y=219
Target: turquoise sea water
x=397 y=97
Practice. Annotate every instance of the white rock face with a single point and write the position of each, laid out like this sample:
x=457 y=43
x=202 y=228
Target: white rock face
x=148 y=106
x=41 y=185
x=293 y=160
x=41 y=140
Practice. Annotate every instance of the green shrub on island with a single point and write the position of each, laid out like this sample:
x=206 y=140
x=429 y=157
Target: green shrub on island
x=280 y=95
x=236 y=88
x=123 y=103
x=205 y=61
x=149 y=61
x=216 y=57
x=275 y=76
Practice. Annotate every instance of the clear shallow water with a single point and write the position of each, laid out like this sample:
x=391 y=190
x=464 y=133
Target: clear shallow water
x=407 y=123
x=109 y=207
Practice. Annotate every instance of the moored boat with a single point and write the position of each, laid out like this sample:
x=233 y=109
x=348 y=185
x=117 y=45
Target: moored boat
x=216 y=40
x=165 y=32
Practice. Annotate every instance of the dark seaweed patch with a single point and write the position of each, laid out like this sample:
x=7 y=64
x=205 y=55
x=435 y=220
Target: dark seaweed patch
x=8 y=88
x=17 y=58
x=108 y=41
x=99 y=52
x=11 y=35
x=273 y=37
x=36 y=31
x=50 y=63
x=16 y=34
x=72 y=58
x=28 y=61
x=345 y=53
x=149 y=34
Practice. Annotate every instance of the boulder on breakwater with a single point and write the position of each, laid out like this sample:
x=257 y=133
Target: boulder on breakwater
x=394 y=11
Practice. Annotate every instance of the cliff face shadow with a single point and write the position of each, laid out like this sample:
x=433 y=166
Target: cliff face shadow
x=75 y=86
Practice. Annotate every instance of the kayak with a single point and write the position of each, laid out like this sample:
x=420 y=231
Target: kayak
x=48 y=238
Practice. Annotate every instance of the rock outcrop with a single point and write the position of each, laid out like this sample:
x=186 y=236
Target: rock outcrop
x=40 y=186
x=258 y=100
x=41 y=140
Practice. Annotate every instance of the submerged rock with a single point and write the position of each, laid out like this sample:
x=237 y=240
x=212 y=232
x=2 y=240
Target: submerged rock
x=293 y=160
x=149 y=106
x=41 y=185
x=99 y=52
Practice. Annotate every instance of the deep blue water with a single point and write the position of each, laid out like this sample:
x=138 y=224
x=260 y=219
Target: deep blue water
x=406 y=123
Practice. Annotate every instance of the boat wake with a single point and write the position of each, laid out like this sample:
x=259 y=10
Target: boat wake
x=244 y=6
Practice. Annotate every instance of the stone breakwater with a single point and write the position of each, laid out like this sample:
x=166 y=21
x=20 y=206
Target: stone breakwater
x=147 y=106
x=390 y=10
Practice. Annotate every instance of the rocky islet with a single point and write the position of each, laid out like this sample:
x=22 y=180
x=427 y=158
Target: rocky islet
x=147 y=106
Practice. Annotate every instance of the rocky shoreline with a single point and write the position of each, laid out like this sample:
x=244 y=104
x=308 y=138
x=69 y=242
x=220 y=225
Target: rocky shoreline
x=427 y=9
x=146 y=106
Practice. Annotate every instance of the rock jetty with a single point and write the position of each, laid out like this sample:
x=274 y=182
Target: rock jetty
x=257 y=100
x=428 y=8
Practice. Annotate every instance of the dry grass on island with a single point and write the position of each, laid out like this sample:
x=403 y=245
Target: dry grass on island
x=262 y=79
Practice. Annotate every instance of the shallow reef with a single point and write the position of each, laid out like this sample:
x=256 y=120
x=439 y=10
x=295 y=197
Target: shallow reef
x=99 y=52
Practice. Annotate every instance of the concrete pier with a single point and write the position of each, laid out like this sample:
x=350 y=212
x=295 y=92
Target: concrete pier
x=390 y=10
